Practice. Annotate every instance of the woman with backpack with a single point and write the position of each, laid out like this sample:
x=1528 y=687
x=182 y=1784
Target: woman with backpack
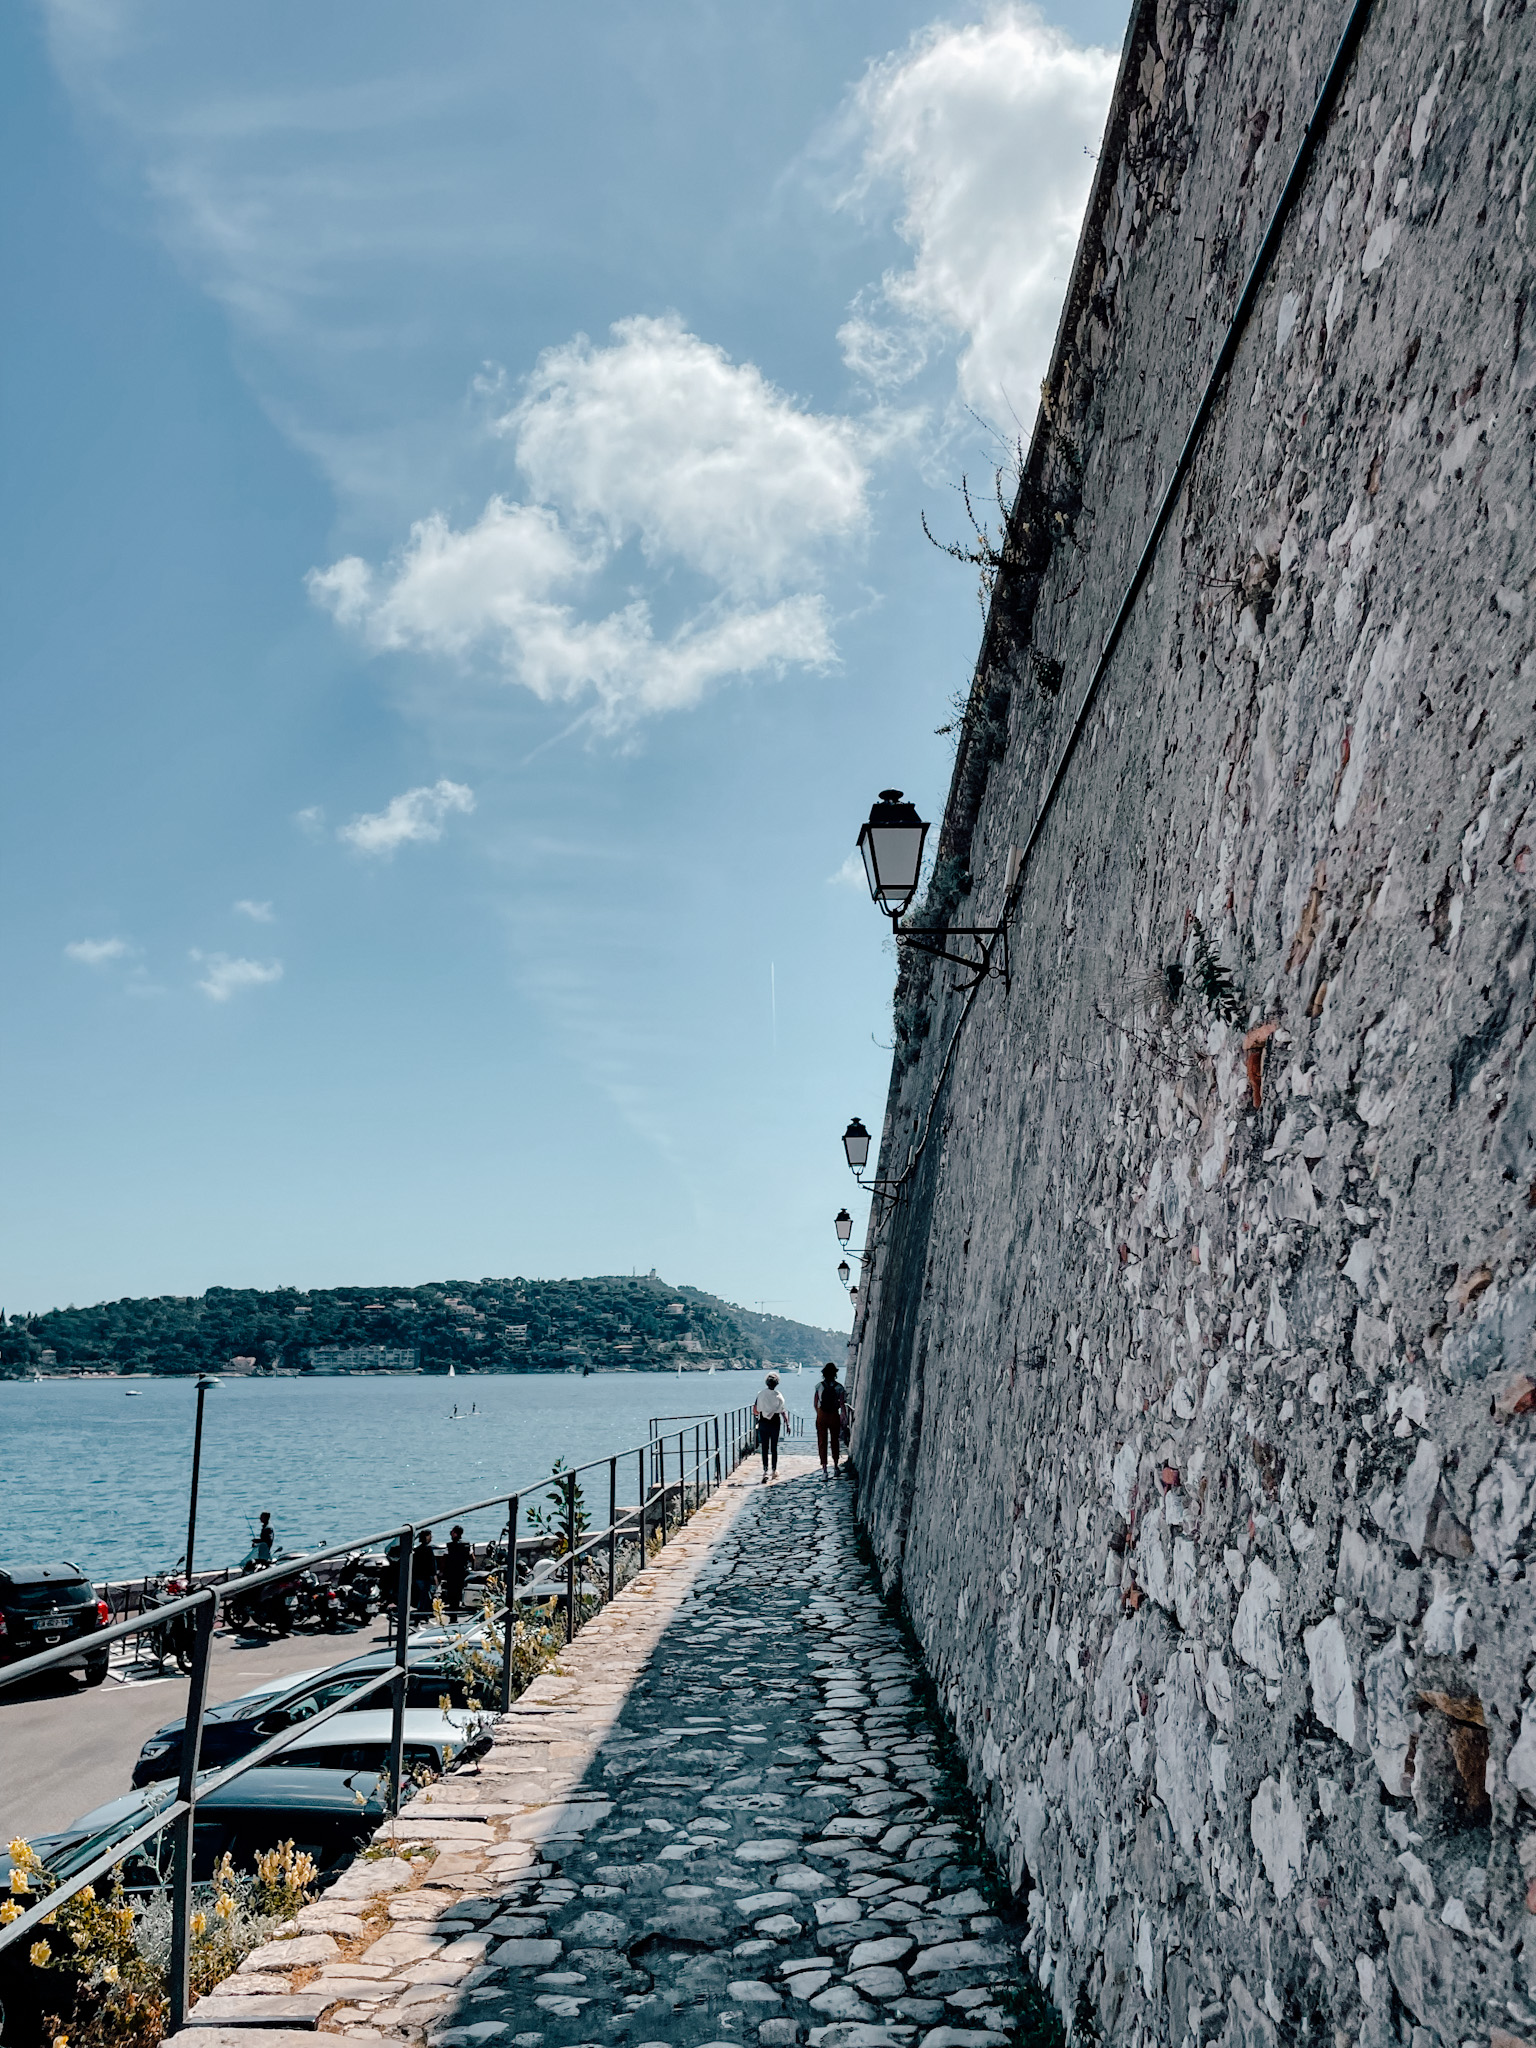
x=832 y=1417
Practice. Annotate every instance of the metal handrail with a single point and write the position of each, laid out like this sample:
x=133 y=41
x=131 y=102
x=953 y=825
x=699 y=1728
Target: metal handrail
x=717 y=1451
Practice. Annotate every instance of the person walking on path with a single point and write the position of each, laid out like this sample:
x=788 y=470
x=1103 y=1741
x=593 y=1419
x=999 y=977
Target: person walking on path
x=770 y=1408
x=457 y=1559
x=831 y=1401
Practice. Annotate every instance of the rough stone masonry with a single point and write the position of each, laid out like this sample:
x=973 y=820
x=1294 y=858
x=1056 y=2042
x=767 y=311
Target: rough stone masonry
x=1194 y=1371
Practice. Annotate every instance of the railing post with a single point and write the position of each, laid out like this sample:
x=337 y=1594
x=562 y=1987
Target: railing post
x=183 y=1835
x=509 y=1619
x=570 y=1556
x=719 y=1474
x=682 y=1482
x=661 y=1464
x=613 y=1525
x=402 y=1646
x=640 y=1476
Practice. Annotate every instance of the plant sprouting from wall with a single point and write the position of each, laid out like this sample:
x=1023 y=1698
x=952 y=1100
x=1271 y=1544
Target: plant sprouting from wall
x=1214 y=981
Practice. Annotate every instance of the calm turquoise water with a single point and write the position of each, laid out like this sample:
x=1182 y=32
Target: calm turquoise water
x=100 y=1476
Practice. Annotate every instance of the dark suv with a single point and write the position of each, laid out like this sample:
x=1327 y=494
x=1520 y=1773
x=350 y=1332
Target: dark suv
x=45 y=1605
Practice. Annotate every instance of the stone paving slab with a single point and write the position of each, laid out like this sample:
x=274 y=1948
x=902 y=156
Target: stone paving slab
x=733 y=1824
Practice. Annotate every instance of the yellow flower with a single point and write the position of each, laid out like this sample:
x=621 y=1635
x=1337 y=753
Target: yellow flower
x=86 y=1895
x=224 y=1905
x=20 y=1882
x=109 y=1974
x=22 y=1852
x=10 y=1911
x=199 y=1923
x=39 y=1955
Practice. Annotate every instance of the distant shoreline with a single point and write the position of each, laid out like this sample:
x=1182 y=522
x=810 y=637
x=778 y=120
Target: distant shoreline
x=656 y=1372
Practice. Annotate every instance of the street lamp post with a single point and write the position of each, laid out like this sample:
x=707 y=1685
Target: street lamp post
x=203 y=1384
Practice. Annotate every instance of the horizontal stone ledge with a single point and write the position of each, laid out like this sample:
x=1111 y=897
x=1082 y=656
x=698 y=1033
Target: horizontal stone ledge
x=245 y=2016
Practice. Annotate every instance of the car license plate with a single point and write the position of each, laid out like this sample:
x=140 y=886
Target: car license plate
x=53 y=1620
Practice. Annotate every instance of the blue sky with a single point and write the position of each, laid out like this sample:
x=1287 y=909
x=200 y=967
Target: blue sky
x=466 y=587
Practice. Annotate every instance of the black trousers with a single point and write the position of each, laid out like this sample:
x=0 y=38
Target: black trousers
x=768 y=1439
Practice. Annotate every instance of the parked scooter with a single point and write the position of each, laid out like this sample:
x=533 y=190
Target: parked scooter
x=267 y=1609
x=357 y=1592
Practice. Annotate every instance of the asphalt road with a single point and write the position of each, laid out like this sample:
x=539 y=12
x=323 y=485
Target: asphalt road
x=65 y=1750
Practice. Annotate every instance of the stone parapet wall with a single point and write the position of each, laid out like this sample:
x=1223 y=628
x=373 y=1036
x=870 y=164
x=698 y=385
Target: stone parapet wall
x=1194 y=1369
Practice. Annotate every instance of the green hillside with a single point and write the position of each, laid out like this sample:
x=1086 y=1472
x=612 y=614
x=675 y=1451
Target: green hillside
x=473 y=1325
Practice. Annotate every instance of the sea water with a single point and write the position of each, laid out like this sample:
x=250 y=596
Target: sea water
x=98 y=1471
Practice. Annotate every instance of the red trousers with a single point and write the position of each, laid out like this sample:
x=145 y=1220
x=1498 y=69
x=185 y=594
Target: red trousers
x=828 y=1427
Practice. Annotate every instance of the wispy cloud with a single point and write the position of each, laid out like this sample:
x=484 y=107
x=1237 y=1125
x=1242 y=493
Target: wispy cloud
x=311 y=820
x=659 y=439
x=414 y=815
x=97 y=952
x=984 y=131
x=258 y=913
x=226 y=976
x=851 y=874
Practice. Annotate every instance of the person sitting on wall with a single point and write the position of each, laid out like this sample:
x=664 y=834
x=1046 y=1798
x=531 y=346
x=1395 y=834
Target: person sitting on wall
x=831 y=1403
x=260 y=1552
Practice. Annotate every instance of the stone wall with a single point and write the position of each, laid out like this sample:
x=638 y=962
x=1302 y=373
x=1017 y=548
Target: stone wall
x=1194 y=1368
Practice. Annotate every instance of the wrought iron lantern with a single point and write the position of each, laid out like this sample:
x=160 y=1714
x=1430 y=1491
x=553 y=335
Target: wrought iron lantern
x=856 y=1145
x=845 y=1272
x=842 y=1223
x=891 y=841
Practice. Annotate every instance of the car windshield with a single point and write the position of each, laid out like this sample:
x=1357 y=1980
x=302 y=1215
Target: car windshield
x=323 y=1696
x=45 y=1598
x=69 y=1853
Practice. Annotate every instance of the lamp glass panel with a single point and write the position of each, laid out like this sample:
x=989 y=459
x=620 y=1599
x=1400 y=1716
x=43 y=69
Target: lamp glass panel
x=896 y=854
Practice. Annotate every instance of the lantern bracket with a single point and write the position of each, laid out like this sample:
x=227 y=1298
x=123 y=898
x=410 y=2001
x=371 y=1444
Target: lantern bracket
x=988 y=939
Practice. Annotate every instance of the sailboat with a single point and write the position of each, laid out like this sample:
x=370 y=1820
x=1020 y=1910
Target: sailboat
x=450 y=1368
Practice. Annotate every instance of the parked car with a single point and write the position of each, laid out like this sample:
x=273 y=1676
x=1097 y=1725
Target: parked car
x=238 y=1725
x=326 y=1813
x=434 y=1742
x=44 y=1605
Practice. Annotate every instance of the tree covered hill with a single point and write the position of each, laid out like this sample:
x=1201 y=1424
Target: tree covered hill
x=474 y=1325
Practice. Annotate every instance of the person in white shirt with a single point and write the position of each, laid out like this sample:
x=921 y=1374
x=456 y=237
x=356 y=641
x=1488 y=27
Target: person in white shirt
x=770 y=1408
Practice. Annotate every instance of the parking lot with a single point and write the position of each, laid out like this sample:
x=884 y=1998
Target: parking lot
x=65 y=1750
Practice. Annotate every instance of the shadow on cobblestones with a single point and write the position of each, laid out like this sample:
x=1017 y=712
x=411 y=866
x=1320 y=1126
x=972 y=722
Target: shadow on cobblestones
x=771 y=1843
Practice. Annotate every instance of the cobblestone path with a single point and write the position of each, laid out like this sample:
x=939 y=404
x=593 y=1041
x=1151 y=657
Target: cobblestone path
x=744 y=1831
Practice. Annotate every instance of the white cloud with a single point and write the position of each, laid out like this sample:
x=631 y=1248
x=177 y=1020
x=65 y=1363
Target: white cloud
x=310 y=821
x=851 y=874
x=984 y=130
x=258 y=913
x=226 y=975
x=97 y=952
x=660 y=439
x=414 y=815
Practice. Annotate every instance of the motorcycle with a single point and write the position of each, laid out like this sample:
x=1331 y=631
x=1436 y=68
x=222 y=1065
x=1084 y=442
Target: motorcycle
x=357 y=1592
x=318 y=1604
x=171 y=1640
x=266 y=1609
